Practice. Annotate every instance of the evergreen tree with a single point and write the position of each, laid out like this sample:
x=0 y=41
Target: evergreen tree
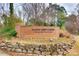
x=11 y=9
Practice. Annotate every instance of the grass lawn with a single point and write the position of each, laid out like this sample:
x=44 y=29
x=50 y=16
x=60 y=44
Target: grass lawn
x=75 y=50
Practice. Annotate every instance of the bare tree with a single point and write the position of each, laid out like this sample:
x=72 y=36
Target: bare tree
x=33 y=10
x=71 y=24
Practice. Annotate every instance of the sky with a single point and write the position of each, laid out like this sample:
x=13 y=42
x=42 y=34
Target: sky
x=70 y=7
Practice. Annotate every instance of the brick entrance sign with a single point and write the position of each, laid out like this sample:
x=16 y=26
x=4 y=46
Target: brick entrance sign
x=37 y=32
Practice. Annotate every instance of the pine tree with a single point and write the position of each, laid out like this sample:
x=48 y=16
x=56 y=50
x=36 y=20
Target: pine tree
x=11 y=9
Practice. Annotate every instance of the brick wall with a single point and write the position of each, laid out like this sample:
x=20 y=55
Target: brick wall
x=37 y=31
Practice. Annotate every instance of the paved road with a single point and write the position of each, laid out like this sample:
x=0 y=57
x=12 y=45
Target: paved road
x=3 y=53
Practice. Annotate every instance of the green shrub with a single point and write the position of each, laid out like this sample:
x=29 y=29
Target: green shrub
x=13 y=33
x=37 y=22
x=60 y=23
x=8 y=32
x=45 y=24
x=11 y=21
x=4 y=30
x=51 y=24
x=8 y=28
